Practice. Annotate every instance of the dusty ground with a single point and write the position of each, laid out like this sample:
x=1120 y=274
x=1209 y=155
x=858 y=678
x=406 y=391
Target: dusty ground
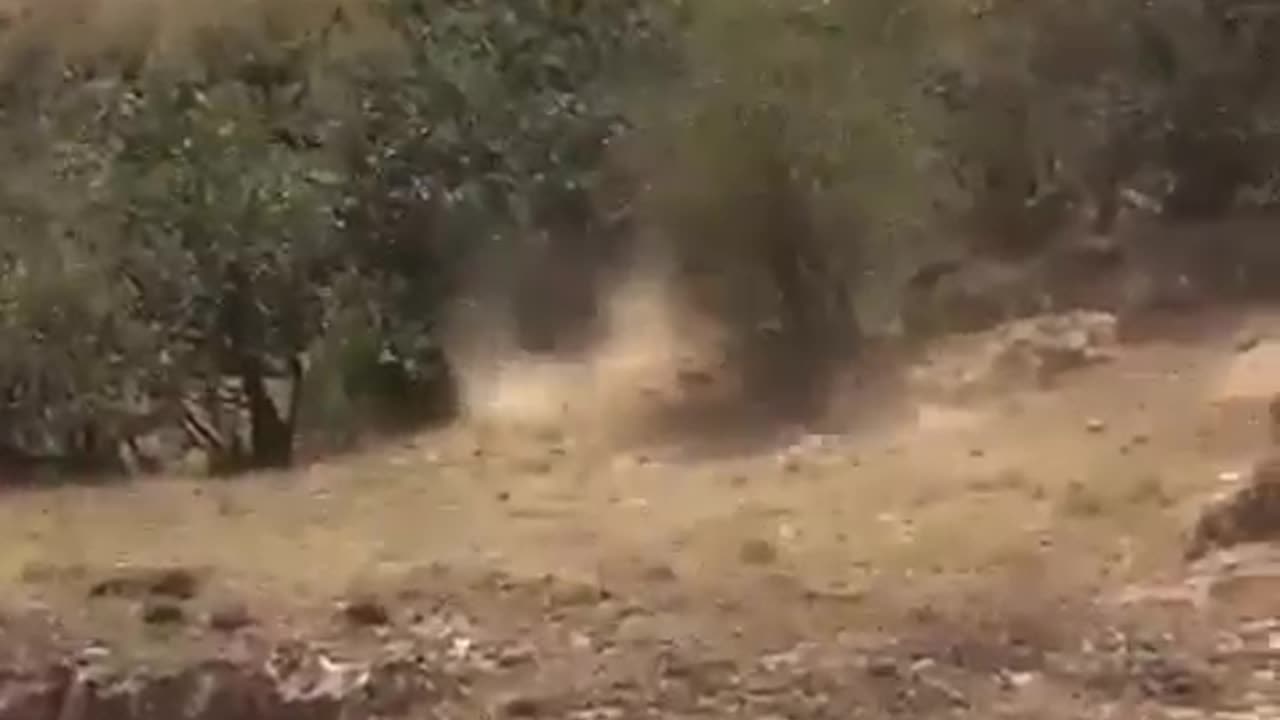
x=1019 y=555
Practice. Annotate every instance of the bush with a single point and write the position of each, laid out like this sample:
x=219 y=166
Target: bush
x=201 y=209
x=241 y=198
x=788 y=151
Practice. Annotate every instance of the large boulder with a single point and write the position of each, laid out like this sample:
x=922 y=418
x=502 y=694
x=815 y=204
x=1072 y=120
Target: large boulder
x=1247 y=513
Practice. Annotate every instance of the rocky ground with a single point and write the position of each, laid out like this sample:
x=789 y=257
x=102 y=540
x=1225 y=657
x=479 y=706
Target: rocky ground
x=1006 y=536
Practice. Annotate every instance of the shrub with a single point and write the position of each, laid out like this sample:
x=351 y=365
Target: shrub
x=786 y=157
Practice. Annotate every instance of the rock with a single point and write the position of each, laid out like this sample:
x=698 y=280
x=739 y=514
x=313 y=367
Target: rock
x=562 y=593
x=92 y=654
x=366 y=612
x=758 y=551
x=882 y=667
x=1167 y=677
x=1032 y=352
x=1249 y=514
x=393 y=689
x=1248 y=377
x=520 y=706
x=659 y=573
x=230 y=617
x=1016 y=680
x=635 y=628
x=163 y=613
x=177 y=583
x=1095 y=425
x=34 y=696
x=1247 y=341
x=173 y=583
x=1230 y=477
x=601 y=712
x=516 y=655
x=581 y=642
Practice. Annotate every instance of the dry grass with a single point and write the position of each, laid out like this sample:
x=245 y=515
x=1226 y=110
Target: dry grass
x=161 y=29
x=1026 y=488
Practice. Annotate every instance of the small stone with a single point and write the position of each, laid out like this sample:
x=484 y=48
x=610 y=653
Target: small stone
x=640 y=627
x=923 y=665
x=1247 y=341
x=163 y=613
x=537 y=466
x=175 y=583
x=977 y=453
x=520 y=706
x=1012 y=680
x=882 y=667
x=601 y=712
x=1095 y=425
x=94 y=653
x=230 y=618
x=660 y=574
x=758 y=552
x=366 y=612
x=516 y=655
x=562 y=593
x=580 y=641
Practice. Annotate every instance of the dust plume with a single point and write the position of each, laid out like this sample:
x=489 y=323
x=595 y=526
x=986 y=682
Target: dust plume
x=651 y=356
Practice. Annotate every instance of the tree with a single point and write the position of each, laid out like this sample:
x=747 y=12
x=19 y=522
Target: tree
x=784 y=146
x=232 y=211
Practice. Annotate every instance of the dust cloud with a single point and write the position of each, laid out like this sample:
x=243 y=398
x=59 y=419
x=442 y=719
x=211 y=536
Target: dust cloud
x=651 y=357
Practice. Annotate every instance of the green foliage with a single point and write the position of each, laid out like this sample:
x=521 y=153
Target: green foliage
x=488 y=131
x=322 y=181
x=207 y=196
x=242 y=207
x=785 y=181
x=1058 y=104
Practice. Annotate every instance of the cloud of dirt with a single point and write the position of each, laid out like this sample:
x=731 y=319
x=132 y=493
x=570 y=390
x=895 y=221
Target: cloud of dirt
x=651 y=356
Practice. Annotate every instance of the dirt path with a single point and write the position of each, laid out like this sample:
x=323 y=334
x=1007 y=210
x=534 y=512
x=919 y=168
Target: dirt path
x=961 y=561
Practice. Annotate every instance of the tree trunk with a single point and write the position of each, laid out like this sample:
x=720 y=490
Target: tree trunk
x=271 y=436
x=817 y=322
